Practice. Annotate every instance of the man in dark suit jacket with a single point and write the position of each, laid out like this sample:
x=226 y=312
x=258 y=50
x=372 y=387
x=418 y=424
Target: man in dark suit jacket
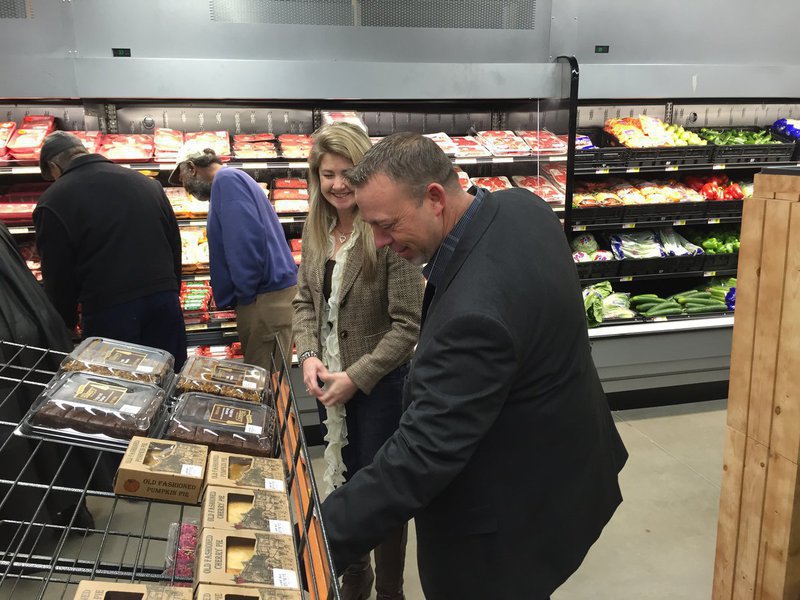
x=507 y=455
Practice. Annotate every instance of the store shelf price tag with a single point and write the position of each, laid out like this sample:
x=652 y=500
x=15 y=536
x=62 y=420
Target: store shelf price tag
x=626 y=278
x=298 y=165
x=18 y=230
x=632 y=170
x=719 y=167
x=713 y=221
x=196 y=327
x=629 y=225
x=659 y=319
x=503 y=159
x=602 y=171
x=672 y=168
x=255 y=165
x=228 y=325
x=710 y=274
x=579 y=228
x=679 y=223
x=466 y=161
x=273 y=485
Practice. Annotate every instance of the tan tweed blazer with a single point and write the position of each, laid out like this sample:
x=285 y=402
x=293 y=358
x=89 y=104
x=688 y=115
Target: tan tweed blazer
x=378 y=320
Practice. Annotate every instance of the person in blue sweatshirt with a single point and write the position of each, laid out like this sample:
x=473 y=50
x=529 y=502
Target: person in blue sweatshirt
x=252 y=269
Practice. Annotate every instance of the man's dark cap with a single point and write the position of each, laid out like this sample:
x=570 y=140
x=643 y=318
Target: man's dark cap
x=54 y=144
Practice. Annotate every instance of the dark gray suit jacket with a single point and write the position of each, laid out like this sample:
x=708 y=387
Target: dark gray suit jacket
x=507 y=455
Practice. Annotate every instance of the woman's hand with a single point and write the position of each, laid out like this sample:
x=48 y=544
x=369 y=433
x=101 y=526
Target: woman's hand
x=338 y=389
x=313 y=372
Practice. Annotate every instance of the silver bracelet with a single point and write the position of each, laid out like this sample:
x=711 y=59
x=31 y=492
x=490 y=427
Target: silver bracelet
x=305 y=355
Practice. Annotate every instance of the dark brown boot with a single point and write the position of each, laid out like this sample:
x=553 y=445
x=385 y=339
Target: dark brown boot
x=357 y=580
x=390 y=562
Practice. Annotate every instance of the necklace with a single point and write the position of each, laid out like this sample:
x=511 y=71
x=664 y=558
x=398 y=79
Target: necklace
x=343 y=235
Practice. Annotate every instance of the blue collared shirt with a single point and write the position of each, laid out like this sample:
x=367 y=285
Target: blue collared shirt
x=434 y=270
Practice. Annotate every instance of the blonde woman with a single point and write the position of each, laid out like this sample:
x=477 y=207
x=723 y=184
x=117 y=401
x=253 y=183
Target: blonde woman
x=356 y=321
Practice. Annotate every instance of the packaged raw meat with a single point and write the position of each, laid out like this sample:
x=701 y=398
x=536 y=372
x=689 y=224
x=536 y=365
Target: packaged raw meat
x=253 y=137
x=463 y=178
x=14 y=213
x=218 y=141
x=469 y=147
x=296 y=244
x=343 y=117
x=91 y=139
x=168 y=143
x=504 y=143
x=194 y=246
x=293 y=194
x=131 y=147
x=444 y=142
x=295 y=145
x=556 y=173
x=252 y=150
x=26 y=144
x=543 y=142
x=541 y=187
x=291 y=206
x=6 y=132
x=283 y=184
x=493 y=184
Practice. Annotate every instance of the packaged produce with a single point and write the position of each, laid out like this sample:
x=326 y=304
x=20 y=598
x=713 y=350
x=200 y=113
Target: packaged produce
x=585 y=242
x=593 y=297
x=504 y=143
x=718 y=241
x=109 y=590
x=223 y=378
x=231 y=509
x=493 y=184
x=715 y=187
x=98 y=405
x=603 y=255
x=244 y=471
x=246 y=558
x=617 y=306
x=583 y=142
x=223 y=424
x=733 y=136
x=650 y=132
x=103 y=356
x=639 y=244
x=675 y=244
x=581 y=257
x=162 y=470
x=788 y=127
x=543 y=142
x=224 y=592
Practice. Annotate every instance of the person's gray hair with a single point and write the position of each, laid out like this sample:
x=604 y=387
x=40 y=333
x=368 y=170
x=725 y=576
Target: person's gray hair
x=63 y=159
x=407 y=158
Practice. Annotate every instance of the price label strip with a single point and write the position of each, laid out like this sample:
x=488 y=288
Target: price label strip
x=629 y=225
x=579 y=228
x=672 y=168
x=602 y=171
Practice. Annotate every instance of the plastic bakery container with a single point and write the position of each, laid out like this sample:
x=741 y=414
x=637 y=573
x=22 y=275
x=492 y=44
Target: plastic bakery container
x=223 y=378
x=121 y=359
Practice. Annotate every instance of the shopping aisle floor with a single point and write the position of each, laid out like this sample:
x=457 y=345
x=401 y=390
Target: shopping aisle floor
x=660 y=544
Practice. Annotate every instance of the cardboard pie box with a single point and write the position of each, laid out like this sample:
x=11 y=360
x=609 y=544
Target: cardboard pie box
x=227 y=592
x=109 y=590
x=162 y=470
x=237 y=509
x=247 y=559
x=243 y=471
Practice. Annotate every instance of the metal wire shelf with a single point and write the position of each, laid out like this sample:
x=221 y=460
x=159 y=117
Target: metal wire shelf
x=61 y=523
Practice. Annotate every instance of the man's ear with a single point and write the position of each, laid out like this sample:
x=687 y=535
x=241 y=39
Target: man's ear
x=438 y=197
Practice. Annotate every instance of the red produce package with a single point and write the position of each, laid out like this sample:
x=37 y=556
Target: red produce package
x=218 y=141
x=291 y=184
x=291 y=206
x=133 y=147
x=91 y=139
x=493 y=184
x=295 y=194
x=541 y=187
x=543 y=142
x=557 y=174
x=16 y=213
x=6 y=132
x=168 y=140
x=253 y=137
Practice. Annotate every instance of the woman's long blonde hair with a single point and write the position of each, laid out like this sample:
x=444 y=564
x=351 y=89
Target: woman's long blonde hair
x=349 y=142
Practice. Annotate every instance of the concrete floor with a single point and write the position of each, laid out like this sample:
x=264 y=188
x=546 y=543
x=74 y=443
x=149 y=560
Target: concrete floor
x=660 y=544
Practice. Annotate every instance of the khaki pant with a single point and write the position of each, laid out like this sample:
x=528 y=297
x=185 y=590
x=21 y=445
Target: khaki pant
x=260 y=322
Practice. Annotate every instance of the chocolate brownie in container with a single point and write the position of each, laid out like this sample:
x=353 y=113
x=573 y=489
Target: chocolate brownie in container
x=120 y=359
x=96 y=404
x=223 y=424
x=223 y=378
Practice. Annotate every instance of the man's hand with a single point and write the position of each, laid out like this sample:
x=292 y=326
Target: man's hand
x=339 y=388
x=313 y=371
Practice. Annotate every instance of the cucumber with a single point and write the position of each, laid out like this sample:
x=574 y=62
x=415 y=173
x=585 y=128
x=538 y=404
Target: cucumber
x=705 y=309
x=669 y=304
x=644 y=297
x=705 y=301
x=698 y=296
x=644 y=307
x=665 y=312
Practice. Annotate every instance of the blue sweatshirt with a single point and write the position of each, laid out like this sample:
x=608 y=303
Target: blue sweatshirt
x=248 y=253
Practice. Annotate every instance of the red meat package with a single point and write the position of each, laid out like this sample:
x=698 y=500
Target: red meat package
x=557 y=174
x=291 y=194
x=252 y=137
x=504 y=143
x=6 y=132
x=26 y=144
x=167 y=142
x=297 y=244
x=16 y=213
x=541 y=187
x=91 y=139
x=469 y=147
x=493 y=184
x=218 y=141
x=122 y=147
x=291 y=206
x=543 y=142
x=291 y=184
x=265 y=149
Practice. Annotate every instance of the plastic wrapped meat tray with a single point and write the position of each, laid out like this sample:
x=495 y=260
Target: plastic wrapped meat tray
x=291 y=184
x=493 y=184
x=98 y=405
x=120 y=359
x=120 y=147
x=469 y=147
x=91 y=139
x=223 y=424
x=290 y=194
x=504 y=143
x=218 y=141
x=16 y=213
x=223 y=378
x=543 y=142
x=7 y=130
x=541 y=187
